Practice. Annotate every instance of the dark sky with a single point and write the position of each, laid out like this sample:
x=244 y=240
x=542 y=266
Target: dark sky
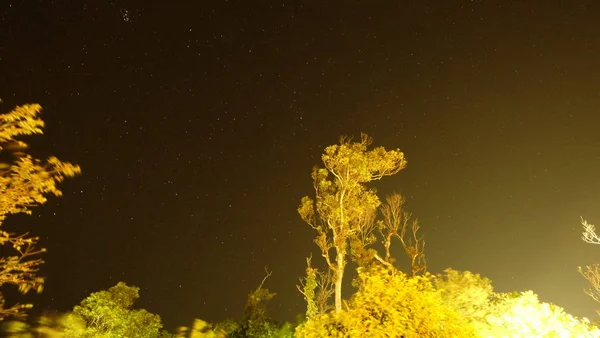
x=196 y=125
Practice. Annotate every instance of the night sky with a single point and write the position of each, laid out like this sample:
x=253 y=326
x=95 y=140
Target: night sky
x=196 y=125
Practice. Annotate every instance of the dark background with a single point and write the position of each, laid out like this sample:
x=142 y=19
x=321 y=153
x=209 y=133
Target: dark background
x=196 y=125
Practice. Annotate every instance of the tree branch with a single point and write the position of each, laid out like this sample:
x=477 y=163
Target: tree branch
x=589 y=233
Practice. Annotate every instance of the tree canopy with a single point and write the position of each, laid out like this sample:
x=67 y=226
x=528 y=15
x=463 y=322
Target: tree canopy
x=109 y=314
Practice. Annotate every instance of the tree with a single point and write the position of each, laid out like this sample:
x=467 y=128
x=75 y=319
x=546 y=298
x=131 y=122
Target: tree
x=317 y=289
x=110 y=314
x=256 y=322
x=344 y=206
x=591 y=272
x=390 y=303
x=25 y=182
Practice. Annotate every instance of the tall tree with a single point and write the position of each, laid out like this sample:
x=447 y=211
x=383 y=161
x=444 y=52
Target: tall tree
x=343 y=204
x=24 y=183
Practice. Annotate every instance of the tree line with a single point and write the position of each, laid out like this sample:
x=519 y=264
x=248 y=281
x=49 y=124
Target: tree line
x=352 y=225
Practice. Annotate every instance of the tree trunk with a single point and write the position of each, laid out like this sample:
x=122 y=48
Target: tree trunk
x=338 y=282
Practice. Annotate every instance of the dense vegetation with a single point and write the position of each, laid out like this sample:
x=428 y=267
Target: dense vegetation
x=351 y=225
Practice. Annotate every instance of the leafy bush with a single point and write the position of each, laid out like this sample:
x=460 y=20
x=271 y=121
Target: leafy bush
x=389 y=303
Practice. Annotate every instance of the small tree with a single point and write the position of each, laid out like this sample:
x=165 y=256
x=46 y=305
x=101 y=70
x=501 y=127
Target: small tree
x=109 y=314
x=343 y=204
x=317 y=289
x=255 y=322
x=24 y=183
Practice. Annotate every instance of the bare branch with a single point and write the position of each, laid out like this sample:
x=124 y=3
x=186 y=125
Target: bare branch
x=383 y=261
x=269 y=273
x=15 y=311
x=366 y=226
x=416 y=250
x=396 y=222
x=392 y=222
x=592 y=274
x=589 y=233
x=324 y=243
x=325 y=291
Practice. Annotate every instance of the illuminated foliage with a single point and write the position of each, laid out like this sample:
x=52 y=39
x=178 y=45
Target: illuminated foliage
x=25 y=182
x=344 y=206
x=200 y=329
x=233 y=329
x=390 y=304
x=466 y=292
x=523 y=315
x=109 y=314
x=507 y=314
x=50 y=326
